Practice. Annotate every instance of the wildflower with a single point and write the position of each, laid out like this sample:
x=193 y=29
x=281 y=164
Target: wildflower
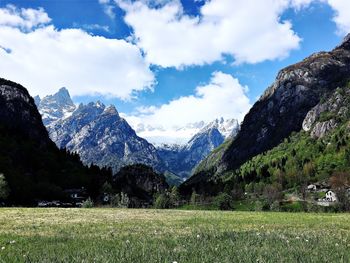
x=174 y=261
x=306 y=240
x=336 y=244
x=297 y=237
x=127 y=241
x=2 y=248
x=198 y=236
x=12 y=241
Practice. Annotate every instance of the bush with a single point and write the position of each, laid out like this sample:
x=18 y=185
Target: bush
x=194 y=198
x=162 y=201
x=88 y=203
x=275 y=206
x=223 y=201
x=259 y=206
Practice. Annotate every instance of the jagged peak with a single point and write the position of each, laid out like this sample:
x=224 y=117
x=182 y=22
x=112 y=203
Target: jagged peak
x=111 y=109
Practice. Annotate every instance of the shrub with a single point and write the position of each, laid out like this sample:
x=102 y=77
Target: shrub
x=258 y=205
x=162 y=201
x=194 y=198
x=88 y=203
x=124 y=200
x=275 y=206
x=223 y=201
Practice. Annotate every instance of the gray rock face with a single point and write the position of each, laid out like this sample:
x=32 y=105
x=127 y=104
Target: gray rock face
x=325 y=116
x=181 y=160
x=96 y=132
x=322 y=128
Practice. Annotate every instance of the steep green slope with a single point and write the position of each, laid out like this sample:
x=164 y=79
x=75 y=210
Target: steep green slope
x=311 y=155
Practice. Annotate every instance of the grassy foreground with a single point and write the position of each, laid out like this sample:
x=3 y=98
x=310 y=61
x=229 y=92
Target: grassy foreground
x=122 y=235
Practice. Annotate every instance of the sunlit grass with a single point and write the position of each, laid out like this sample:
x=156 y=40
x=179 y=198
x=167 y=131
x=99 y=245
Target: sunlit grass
x=126 y=235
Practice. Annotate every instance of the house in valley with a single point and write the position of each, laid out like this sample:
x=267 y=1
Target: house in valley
x=331 y=196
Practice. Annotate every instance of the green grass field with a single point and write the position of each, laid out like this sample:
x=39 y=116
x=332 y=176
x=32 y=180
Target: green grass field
x=127 y=235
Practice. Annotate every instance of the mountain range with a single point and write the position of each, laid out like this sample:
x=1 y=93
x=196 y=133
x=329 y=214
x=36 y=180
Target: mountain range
x=100 y=136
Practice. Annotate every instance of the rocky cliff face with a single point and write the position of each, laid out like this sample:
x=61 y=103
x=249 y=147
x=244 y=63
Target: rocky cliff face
x=327 y=115
x=284 y=105
x=96 y=132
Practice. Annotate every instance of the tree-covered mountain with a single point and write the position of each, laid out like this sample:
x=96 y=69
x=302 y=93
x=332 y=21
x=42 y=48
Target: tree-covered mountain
x=303 y=96
x=33 y=167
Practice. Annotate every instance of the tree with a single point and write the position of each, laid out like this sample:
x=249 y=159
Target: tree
x=223 y=201
x=272 y=193
x=174 y=196
x=4 y=189
x=162 y=201
x=124 y=200
x=340 y=181
x=194 y=198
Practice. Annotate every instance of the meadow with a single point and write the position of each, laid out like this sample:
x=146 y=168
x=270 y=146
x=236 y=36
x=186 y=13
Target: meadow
x=136 y=235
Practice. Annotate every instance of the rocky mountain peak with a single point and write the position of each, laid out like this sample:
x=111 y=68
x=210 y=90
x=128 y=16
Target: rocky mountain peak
x=56 y=106
x=111 y=110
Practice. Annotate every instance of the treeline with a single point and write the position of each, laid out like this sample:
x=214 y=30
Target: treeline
x=33 y=171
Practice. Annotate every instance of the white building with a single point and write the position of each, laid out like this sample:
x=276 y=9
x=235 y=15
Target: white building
x=331 y=196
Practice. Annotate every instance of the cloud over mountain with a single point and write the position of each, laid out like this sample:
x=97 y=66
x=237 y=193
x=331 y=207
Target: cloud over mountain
x=43 y=58
x=223 y=97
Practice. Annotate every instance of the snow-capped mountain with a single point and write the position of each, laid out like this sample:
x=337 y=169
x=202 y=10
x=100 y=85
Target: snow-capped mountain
x=182 y=159
x=55 y=107
x=102 y=137
x=96 y=132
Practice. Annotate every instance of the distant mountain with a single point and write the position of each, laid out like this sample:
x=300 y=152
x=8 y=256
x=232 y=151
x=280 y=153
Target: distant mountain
x=100 y=136
x=182 y=159
x=31 y=163
x=285 y=107
x=96 y=132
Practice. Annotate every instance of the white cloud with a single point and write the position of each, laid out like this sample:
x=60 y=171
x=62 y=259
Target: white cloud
x=223 y=97
x=341 y=8
x=249 y=30
x=44 y=58
x=25 y=19
x=108 y=8
x=342 y=15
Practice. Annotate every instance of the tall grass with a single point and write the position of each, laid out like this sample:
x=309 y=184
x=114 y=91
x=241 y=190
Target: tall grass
x=135 y=235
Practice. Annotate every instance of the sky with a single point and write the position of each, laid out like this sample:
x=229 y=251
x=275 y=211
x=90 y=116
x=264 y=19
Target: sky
x=164 y=64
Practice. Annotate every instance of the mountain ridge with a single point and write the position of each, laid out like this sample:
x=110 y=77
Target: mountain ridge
x=280 y=111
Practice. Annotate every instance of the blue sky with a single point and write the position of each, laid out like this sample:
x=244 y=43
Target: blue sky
x=302 y=27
